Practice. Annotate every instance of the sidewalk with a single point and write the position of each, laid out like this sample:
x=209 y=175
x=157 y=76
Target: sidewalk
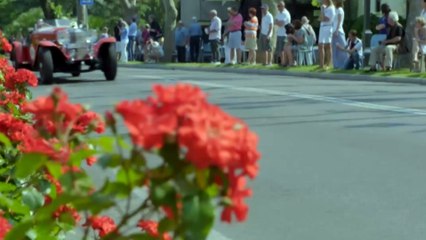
x=383 y=77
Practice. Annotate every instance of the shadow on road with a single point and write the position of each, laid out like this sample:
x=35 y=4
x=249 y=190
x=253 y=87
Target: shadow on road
x=71 y=80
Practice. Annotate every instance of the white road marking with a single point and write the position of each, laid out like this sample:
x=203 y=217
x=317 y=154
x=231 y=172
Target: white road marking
x=341 y=101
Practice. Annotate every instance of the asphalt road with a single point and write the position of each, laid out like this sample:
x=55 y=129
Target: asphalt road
x=341 y=160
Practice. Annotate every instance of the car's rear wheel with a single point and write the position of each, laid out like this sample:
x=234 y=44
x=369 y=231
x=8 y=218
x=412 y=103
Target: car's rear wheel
x=109 y=62
x=45 y=64
x=75 y=74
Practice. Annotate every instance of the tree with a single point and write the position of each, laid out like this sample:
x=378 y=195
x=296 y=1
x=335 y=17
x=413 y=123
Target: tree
x=130 y=9
x=414 y=8
x=47 y=7
x=169 y=26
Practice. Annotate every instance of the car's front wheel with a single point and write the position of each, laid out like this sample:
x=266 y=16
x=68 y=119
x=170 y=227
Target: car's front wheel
x=109 y=62
x=45 y=64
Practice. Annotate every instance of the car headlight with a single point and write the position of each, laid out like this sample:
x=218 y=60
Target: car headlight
x=63 y=37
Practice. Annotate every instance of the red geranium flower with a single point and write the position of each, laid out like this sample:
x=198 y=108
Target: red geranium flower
x=151 y=228
x=55 y=114
x=5 y=227
x=7 y=47
x=104 y=225
x=237 y=193
x=20 y=78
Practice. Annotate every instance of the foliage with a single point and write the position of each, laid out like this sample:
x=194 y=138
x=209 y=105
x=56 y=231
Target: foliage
x=316 y=3
x=24 y=21
x=185 y=155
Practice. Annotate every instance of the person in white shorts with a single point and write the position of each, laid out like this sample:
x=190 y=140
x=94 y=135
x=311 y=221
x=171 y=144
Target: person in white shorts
x=327 y=16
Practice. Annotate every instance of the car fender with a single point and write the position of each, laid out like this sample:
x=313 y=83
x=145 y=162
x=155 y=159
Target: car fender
x=103 y=42
x=17 y=49
x=56 y=50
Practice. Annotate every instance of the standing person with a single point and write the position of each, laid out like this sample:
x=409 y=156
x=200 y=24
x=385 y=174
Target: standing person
x=117 y=35
x=181 y=40
x=300 y=40
x=250 y=33
x=233 y=30
x=289 y=46
x=339 y=56
x=281 y=20
x=383 y=26
x=419 y=41
x=388 y=46
x=155 y=29
x=133 y=30
x=124 y=41
x=266 y=34
x=195 y=33
x=354 y=49
x=214 y=31
x=423 y=13
x=328 y=12
x=104 y=33
x=309 y=28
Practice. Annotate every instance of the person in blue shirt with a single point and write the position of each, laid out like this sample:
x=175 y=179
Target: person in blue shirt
x=181 y=40
x=195 y=34
x=133 y=29
x=124 y=41
x=383 y=26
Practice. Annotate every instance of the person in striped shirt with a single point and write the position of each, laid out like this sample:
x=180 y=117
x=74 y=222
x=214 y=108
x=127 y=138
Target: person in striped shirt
x=250 y=34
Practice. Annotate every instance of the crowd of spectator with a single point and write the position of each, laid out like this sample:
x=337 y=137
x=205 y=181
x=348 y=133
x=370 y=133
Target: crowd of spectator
x=242 y=40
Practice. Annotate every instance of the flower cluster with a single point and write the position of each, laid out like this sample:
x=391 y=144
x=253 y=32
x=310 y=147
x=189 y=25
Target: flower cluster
x=103 y=224
x=151 y=228
x=207 y=136
x=208 y=156
x=4 y=227
x=4 y=44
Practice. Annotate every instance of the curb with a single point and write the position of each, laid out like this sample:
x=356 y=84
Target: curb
x=317 y=75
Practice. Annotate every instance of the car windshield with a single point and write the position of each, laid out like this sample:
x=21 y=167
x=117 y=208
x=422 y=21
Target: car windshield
x=59 y=22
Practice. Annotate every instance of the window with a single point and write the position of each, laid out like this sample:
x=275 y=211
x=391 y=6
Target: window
x=378 y=3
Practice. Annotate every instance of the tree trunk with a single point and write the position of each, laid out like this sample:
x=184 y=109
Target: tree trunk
x=47 y=9
x=169 y=26
x=414 y=9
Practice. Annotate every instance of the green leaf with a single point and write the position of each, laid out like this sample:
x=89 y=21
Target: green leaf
x=19 y=231
x=137 y=158
x=163 y=194
x=105 y=143
x=87 y=203
x=109 y=161
x=198 y=216
x=14 y=205
x=32 y=198
x=5 y=140
x=117 y=189
x=77 y=157
x=6 y=187
x=29 y=164
x=139 y=236
x=166 y=225
x=55 y=169
x=129 y=177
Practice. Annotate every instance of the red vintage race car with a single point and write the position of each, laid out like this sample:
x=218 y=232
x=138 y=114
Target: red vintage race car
x=60 y=46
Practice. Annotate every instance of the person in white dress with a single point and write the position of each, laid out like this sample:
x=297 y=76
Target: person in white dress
x=339 y=56
x=327 y=16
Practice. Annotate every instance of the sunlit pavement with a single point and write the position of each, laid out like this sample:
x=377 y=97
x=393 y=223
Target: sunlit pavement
x=341 y=160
